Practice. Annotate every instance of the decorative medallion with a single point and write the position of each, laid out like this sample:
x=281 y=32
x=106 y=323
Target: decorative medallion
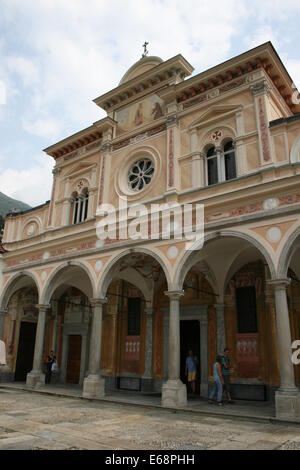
x=216 y=136
x=274 y=234
x=173 y=252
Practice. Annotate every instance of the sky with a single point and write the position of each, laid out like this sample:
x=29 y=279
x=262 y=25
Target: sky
x=56 y=56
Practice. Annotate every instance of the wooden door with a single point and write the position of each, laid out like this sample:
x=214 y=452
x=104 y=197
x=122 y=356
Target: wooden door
x=74 y=359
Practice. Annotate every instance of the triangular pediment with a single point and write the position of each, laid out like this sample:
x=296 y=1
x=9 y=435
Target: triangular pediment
x=81 y=167
x=214 y=113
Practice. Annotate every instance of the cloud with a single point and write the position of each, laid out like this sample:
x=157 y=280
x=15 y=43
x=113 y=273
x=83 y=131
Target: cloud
x=47 y=127
x=31 y=185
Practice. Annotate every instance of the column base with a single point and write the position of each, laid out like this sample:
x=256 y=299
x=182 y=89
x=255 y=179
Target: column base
x=35 y=379
x=173 y=394
x=287 y=404
x=93 y=387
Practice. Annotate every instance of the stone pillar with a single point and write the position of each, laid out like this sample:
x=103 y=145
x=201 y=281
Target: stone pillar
x=221 y=165
x=94 y=385
x=173 y=152
x=66 y=212
x=147 y=378
x=90 y=211
x=203 y=350
x=55 y=327
x=3 y=312
x=51 y=214
x=287 y=398
x=166 y=344
x=174 y=391
x=260 y=91
x=35 y=377
x=221 y=331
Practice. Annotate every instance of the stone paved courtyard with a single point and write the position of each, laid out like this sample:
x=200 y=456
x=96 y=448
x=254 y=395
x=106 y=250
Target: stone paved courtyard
x=34 y=421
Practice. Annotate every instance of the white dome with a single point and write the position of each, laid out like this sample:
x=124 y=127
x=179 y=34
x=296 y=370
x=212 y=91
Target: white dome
x=140 y=67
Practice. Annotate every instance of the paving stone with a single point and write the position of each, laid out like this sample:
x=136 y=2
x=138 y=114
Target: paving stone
x=40 y=421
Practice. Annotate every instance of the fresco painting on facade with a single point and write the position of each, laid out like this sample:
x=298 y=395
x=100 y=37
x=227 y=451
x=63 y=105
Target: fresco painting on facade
x=123 y=314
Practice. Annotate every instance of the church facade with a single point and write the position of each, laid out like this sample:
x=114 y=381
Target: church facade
x=122 y=313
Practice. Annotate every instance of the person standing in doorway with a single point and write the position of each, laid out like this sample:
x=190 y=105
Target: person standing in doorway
x=49 y=362
x=191 y=370
x=218 y=382
x=226 y=366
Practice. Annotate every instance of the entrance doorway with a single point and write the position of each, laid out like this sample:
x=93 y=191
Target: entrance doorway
x=25 y=350
x=74 y=359
x=189 y=340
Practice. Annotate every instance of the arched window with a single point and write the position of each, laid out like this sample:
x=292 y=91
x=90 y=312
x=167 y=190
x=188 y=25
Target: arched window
x=220 y=163
x=80 y=207
x=229 y=161
x=212 y=166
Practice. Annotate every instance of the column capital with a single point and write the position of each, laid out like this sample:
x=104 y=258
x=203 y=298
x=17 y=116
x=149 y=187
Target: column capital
x=174 y=294
x=42 y=307
x=3 y=311
x=279 y=284
x=260 y=88
x=95 y=302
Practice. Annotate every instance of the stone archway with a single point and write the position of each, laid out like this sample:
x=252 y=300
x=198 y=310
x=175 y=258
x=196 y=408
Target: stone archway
x=70 y=291
x=18 y=320
x=143 y=270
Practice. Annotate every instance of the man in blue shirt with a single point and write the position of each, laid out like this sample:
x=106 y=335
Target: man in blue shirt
x=191 y=370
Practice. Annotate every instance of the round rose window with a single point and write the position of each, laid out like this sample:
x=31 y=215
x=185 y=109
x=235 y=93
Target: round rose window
x=140 y=174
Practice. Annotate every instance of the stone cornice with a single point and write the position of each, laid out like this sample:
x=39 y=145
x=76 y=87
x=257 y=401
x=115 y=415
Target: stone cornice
x=263 y=58
x=82 y=138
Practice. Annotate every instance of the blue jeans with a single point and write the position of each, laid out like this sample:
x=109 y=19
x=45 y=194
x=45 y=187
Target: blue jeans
x=217 y=388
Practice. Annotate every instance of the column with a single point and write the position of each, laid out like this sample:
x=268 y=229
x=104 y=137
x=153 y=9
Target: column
x=3 y=312
x=221 y=165
x=173 y=152
x=66 y=212
x=55 y=326
x=94 y=385
x=90 y=211
x=221 y=331
x=287 y=398
x=260 y=91
x=147 y=378
x=166 y=343
x=174 y=391
x=35 y=377
x=196 y=161
x=203 y=350
x=55 y=173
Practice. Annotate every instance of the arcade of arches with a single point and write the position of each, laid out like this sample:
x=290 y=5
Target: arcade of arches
x=134 y=329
